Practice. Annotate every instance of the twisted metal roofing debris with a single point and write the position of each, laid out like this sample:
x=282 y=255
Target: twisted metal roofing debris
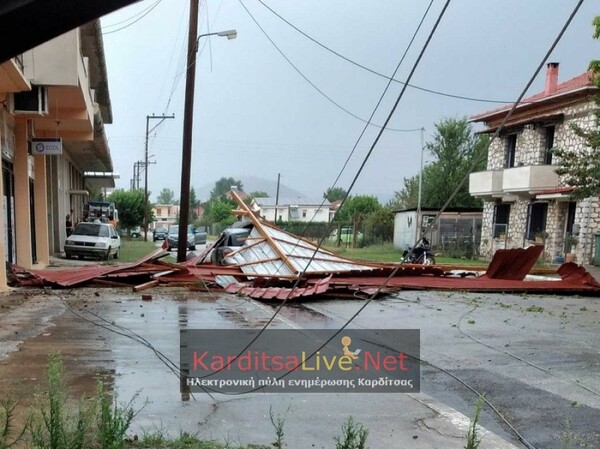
x=271 y=260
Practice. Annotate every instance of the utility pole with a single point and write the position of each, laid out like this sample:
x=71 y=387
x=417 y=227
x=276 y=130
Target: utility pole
x=277 y=197
x=419 y=220
x=162 y=118
x=188 y=121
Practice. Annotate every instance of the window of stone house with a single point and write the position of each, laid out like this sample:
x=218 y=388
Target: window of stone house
x=536 y=220
x=158 y=211
x=548 y=144
x=511 y=150
x=303 y=213
x=501 y=219
x=294 y=212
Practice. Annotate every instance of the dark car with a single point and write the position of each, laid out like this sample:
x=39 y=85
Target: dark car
x=194 y=237
x=230 y=240
x=159 y=234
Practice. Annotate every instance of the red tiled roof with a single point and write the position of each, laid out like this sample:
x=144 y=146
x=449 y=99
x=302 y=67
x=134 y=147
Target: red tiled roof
x=586 y=79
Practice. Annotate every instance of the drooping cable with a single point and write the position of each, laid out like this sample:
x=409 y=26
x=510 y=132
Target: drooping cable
x=368 y=69
x=300 y=276
x=309 y=81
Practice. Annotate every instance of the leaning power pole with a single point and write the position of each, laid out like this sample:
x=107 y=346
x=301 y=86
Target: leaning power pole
x=188 y=121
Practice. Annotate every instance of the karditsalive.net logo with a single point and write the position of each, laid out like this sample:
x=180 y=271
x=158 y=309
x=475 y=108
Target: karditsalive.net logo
x=304 y=361
x=384 y=360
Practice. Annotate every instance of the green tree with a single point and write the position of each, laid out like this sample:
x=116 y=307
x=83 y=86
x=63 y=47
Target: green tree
x=194 y=204
x=454 y=148
x=130 y=204
x=223 y=185
x=218 y=211
x=166 y=196
x=407 y=197
x=582 y=169
x=334 y=194
x=356 y=208
x=259 y=194
x=380 y=225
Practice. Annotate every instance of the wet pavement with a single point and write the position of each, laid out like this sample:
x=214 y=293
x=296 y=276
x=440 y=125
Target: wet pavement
x=536 y=359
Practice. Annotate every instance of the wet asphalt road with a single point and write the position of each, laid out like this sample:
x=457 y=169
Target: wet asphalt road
x=535 y=358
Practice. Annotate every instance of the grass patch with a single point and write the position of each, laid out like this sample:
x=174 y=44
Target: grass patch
x=134 y=249
x=473 y=437
x=354 y=436
x=388 y=253
x=160 y=440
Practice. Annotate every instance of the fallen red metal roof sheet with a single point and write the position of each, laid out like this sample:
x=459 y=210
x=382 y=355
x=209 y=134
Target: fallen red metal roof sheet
x=513 y=264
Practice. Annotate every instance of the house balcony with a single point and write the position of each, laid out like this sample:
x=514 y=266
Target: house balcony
x=529 y=178
x=12 y=78
x=486 y=184
x=59 y=65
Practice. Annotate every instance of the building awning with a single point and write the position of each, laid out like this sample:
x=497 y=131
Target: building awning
x=92 y=156
x=100 y=180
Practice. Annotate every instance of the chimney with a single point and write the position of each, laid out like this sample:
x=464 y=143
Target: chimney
x=551 y=78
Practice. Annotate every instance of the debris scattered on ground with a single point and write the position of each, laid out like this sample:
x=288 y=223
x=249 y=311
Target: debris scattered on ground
x=270 y=262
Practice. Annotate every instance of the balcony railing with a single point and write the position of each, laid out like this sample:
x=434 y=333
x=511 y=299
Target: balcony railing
x=529 y=178
x=486 y=183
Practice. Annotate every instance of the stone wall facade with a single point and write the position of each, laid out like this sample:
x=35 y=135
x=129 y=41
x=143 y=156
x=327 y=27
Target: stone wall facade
x=530 y=150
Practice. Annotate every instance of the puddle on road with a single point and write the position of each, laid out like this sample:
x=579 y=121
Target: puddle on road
x=129 y=361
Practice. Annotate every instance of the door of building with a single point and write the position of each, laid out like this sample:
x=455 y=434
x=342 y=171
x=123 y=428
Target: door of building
x=32 y=221
x=8 y=194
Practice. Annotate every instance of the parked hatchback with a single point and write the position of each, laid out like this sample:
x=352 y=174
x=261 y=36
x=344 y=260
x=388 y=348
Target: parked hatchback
x=159 y=234
x=98 y=240
x=194 y=237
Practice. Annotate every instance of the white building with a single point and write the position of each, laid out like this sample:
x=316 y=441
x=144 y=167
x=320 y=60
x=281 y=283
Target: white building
x=292 y=209
x=457 y=228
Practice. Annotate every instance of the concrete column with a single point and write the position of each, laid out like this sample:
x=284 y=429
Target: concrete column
x=22 y=217
x=3 y=285
x=41 y=211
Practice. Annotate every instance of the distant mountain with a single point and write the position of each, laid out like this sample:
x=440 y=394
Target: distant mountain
x=252 y=184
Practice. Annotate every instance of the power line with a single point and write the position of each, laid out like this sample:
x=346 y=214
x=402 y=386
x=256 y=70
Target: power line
x=365 y=127
x=136 y=20
x=366 y=158
x=368 y=69
x=313 y=85
x=395 y=271
x=111 y=25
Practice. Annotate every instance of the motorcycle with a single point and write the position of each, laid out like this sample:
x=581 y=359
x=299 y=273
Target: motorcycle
x=419 y=254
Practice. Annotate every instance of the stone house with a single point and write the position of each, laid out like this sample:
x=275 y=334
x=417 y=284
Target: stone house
x=525 y=201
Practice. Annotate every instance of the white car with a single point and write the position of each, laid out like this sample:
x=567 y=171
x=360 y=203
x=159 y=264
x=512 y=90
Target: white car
x=99 y=240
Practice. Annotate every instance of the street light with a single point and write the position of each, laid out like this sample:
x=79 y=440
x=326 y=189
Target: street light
x=188 y=121
x=229 y=34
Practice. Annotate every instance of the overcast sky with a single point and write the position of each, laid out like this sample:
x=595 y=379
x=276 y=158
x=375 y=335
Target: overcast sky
x=255 y=115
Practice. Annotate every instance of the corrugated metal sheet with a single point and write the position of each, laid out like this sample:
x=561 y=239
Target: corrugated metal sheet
x=263 y=257
x=282 y=293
